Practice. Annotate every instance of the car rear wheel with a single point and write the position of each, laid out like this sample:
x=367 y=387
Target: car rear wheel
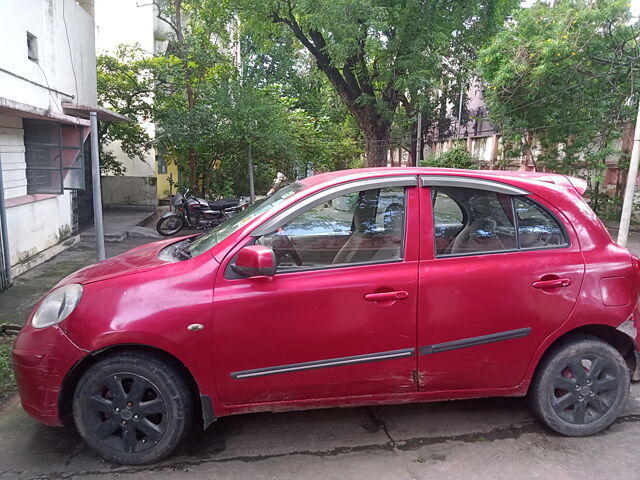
x=132 y=408
x=580 y=387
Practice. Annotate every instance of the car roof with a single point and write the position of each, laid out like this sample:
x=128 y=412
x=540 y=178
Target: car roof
x=507 y=176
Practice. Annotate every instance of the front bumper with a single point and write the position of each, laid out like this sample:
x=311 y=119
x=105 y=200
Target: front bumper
x=42 y=358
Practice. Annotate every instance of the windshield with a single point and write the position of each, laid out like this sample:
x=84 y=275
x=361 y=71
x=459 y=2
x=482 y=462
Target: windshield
x=222 y=231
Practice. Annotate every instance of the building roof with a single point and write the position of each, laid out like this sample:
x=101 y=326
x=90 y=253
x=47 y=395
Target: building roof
x=83 y=111
x=23 y=110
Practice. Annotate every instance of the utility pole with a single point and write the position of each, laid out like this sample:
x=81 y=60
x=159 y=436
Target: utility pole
x=460 y=111
x=419 y=141
x=97 y=190
x=238 y=55
x=4 y=238
x=252 y=191
x=627 y=206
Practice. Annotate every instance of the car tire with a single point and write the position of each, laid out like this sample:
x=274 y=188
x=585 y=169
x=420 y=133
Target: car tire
x=580 y=387
x=132 y=408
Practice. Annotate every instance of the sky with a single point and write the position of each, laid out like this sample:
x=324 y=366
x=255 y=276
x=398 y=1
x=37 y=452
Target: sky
x=124 y=21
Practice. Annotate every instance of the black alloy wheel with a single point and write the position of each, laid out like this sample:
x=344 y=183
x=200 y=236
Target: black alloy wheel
x=132 y=408
x=580 y=387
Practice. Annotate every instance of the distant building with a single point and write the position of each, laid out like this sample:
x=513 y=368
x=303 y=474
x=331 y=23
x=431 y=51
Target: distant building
x=127 y=23
x=47 y=88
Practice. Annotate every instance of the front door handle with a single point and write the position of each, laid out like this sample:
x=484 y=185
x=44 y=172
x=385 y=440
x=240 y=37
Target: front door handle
x=386 y=296
x=554 y=283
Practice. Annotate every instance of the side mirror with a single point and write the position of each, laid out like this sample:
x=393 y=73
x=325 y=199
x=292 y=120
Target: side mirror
x=256 y=261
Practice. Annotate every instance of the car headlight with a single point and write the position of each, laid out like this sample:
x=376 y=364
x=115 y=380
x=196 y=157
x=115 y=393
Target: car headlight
x=57 y=306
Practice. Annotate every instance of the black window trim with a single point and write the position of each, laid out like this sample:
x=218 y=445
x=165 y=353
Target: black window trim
x=460 y=181
x=516 y=225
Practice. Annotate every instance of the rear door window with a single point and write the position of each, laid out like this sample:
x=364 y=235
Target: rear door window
x=537 y=228
x=470 y=221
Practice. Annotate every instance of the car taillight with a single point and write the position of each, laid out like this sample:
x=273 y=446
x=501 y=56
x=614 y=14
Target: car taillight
x=636 y=267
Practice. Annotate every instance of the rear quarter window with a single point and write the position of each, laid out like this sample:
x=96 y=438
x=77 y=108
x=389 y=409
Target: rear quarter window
x=537 y=227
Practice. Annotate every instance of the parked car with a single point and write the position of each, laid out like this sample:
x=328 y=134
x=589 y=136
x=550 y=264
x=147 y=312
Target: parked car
x=373 y=286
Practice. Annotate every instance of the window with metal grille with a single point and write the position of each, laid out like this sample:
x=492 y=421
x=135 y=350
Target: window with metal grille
x=162 y=162
x=54 y=157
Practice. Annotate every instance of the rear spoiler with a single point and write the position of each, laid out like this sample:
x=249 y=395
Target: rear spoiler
x=578 y=183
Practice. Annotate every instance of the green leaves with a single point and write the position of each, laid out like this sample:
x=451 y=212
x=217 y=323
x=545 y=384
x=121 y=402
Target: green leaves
x=209 y=112
x=457 y=157
x=377 y=53
x=559 y=64
x=561 y=79
x=125 y=84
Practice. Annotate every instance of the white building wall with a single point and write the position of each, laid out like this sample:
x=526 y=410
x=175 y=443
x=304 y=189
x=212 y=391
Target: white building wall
x=36 y=225
x=40 y=226
x=50 y=21
x=38 y=230
x=12 y=156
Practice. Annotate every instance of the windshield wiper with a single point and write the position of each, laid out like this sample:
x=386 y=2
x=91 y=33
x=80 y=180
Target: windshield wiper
x=182 y=254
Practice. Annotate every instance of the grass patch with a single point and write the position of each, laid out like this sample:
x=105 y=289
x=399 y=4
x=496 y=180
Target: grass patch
x=7 y=382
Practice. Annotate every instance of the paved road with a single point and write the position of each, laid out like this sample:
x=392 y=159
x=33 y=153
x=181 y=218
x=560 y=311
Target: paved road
x=490 y=438
x=472 y=439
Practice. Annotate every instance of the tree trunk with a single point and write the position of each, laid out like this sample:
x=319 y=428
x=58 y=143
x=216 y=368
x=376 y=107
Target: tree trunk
x=377 y=133
x=193 y=178
x=191 y=101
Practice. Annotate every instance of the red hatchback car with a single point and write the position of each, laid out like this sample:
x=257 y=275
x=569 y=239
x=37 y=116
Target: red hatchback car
x=359 y=287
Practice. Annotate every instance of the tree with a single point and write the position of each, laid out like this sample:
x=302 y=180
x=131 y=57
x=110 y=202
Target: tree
x=192 y=56
x=457 y=157
x=560 y=80
x=374 y=51
x=210 y=110
x=325 y=135
x=124 y=85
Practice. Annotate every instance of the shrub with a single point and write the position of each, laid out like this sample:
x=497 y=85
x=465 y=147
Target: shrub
x=457 y=157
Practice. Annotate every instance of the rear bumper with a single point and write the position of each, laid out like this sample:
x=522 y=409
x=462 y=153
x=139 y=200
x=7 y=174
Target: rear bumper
x=41 y=360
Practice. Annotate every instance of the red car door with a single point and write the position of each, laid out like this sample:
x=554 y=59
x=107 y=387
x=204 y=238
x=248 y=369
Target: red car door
x=500 y=270
x=343 y=322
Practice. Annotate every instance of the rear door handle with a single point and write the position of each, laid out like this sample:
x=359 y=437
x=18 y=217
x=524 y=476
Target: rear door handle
x=555 y=283
x=386 y=296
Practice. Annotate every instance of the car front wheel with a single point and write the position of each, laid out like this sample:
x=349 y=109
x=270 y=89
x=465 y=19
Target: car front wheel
x=580 y=387
x=132 y=408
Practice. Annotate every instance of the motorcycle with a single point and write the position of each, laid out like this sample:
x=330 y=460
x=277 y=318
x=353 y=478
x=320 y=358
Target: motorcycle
x=197 y=213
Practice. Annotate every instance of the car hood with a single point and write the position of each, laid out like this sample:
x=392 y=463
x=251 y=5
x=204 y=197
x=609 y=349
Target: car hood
x=136 y=260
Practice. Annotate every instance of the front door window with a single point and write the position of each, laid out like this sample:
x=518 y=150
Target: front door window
x=357 y=228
